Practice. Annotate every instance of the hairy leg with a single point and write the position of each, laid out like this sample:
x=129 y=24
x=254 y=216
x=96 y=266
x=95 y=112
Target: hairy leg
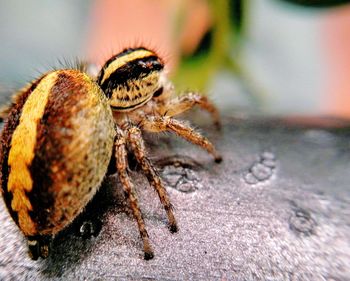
x=121 y=156
x=159 y=124
x=138 y=147
x=186 y=102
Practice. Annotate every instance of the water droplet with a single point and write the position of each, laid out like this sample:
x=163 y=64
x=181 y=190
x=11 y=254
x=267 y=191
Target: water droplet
x=250 y=178
x=179 y=172
x=269 y=163
x=89 y=228
x=261 y=170
x=302 y=222
x=268 y=155
x=182 y=179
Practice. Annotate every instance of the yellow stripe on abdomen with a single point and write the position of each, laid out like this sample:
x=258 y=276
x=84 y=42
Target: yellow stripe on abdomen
x=21 y=153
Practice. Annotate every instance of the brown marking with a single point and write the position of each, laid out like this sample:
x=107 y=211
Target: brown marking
x=70 y=160
x=47 y=164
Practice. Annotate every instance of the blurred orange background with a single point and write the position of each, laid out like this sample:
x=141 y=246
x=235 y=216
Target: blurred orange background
x=123 y=23
x=336 y=30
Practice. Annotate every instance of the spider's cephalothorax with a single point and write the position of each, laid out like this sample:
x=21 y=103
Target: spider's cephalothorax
x=130 y=78
x=60 y=133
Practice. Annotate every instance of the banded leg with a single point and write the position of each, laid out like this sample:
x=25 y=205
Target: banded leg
x=121 y=156
x=138 y=147
x=159 y=124
x=186 y=102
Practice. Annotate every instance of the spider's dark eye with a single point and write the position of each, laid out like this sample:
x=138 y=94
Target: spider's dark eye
x=158 y=92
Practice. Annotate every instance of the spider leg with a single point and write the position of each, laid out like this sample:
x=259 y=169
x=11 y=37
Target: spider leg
x=138 y=147
x=186 y=102
x=160 y=124
x=121 y=157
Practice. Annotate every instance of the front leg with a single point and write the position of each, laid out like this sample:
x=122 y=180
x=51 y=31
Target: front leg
x=160 y=124
x=183 y=103
x=138 y=147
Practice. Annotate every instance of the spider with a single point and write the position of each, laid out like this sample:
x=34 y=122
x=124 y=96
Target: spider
x=64 y=114
x=143 y=99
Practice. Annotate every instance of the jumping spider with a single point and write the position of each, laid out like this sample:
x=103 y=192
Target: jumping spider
x=60 y=133
x=142 y=99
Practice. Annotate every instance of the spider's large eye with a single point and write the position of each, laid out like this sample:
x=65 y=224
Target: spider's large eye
x=158 y=92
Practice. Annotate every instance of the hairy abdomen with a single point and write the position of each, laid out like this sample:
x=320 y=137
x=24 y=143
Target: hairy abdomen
x=55 y=148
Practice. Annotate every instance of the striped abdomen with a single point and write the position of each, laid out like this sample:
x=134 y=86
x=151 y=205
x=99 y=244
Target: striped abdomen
x=55 y=148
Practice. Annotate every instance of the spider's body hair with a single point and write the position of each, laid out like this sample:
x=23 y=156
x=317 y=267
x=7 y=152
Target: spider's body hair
x=61 y=129
x=131 y=78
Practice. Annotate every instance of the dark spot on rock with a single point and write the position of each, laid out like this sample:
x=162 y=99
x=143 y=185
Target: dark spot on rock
x=301 y=222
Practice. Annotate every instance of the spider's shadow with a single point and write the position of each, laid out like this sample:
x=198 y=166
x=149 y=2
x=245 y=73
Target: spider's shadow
x=74 y=243
x=71 y=246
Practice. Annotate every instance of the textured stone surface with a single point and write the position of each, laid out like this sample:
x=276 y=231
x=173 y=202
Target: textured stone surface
x=277 y=208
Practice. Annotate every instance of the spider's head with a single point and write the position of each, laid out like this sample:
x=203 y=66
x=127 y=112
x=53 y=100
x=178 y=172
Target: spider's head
x=131 y=78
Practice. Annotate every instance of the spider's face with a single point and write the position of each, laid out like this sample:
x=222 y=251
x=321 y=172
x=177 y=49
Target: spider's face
x=131 y=78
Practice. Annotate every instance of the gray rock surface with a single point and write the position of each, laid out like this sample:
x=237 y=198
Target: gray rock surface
x=277 y=208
